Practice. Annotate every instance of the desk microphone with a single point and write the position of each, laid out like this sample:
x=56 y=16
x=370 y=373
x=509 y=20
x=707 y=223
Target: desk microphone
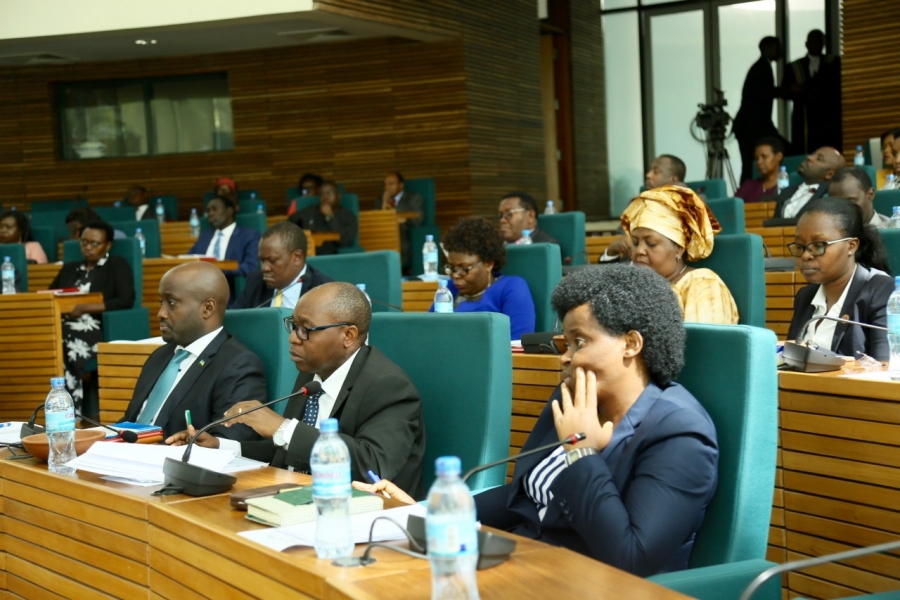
x=268 y=302
x=382 y=303
x=570 y=259
x=30 y=428
x=184 y=478
x=808 y=359
x=126 y=434
x=572 y=439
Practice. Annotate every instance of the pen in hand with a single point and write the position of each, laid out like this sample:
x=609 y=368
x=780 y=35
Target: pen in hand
x=187 y=417
x=373 y=476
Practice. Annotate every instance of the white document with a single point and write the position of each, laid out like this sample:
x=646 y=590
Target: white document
x=872 y=376
x=10 y=432
x=282 y=538
x=144 y=462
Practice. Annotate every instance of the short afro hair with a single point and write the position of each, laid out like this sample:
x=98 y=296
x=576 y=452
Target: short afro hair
x=290 y=235
x=627 y=298
x=348 y=303
x=479 y=237
x=100 y=225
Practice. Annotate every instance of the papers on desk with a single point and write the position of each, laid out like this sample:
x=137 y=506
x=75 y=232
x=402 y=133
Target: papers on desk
x=10 y=432
x=154 y=340
x=143 y=463
x=871 y=376
x=282 y=538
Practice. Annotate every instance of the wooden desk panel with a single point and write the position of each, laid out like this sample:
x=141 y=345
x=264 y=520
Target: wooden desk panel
x=378 y=230
x=41 y=276
x=119 y=366
x=596 y=245
x=781 y=287
x=757 y=212
x=418 y=295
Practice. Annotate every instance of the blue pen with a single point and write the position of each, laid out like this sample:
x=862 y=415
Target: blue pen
x=373 y=476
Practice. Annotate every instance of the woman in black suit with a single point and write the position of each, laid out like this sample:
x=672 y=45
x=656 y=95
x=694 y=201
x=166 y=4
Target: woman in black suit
x=845 y=264
x=98 y=272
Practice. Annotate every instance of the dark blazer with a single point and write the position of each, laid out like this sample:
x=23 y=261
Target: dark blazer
x=380 y=420
x=816 y=114
x=754 y=118
x=539 y=236
x=637 y=505
x=226 y=373
x=866 y=302
x=343 y=222
x=243 y=247
x=257 y=293
x=114 y=280
x=777 y=219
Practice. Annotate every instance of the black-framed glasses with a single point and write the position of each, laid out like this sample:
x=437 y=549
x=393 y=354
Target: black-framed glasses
x=303 y=332
x=814 y=248
x=508 y=214
x=461 y=271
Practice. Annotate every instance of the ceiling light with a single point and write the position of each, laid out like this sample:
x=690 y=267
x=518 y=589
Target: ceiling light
x=144 y=42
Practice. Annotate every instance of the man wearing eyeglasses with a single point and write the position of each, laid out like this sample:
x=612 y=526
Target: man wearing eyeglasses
x=377 y=407
x=518 y=211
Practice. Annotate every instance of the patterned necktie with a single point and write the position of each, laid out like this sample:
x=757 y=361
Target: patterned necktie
x=278 y=299
x=162 y=388
x=218 y=247
x=312 y=410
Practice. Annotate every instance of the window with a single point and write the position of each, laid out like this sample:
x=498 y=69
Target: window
x=172 y=115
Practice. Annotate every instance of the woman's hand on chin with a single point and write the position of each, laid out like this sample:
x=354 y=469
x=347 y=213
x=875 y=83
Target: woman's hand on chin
x=577 y=413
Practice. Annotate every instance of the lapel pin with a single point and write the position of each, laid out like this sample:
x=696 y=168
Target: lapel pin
x=202 y=363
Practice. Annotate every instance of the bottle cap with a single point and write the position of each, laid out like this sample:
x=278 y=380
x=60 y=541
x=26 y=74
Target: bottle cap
x=57 y=381
x=6 y=259
x=429 y=238
x=361 y=286
x=782 y=168
x=448 y=465
x=859 y=148
x=328 y=426
x=526 y=232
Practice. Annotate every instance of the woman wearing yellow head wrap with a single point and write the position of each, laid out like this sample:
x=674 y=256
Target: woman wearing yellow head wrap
x=669 y=226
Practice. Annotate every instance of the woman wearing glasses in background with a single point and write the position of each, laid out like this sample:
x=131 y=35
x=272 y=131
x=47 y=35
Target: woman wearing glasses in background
x=475 y=256
x=846 y=266
x=83 y=327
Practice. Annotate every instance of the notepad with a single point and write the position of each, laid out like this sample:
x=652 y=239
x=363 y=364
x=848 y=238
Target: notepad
x=296 y=506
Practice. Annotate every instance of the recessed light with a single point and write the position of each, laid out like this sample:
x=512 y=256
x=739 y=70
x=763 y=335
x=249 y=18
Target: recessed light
x=144 y=42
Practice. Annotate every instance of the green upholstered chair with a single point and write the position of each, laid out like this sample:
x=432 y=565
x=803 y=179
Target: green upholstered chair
x=150 y=229
x=348 y=201
x=16 y=254
x=738 y=260
x=891 y=239
x=50 y=218
x=540 y=266
x=380 y=271
x=568 y=229
x=464 y=377
x=711 y=188
x=729 y=212
x=252 y=220
x=885 y=201
x=722 y=582
x=250 y=205
x=262 y=330
x=48 y=238
x=731 y=370
x=170 y=204
x=248 y=195
x=116 y=214
x=41 y=206
x=425 y=188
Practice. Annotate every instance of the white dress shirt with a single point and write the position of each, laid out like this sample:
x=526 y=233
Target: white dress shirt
x=139 y=211
x=223 y=244
x=796 y=203
x=814 y=62
x=290 y=295
x=879 y=221
x=397 y=198
x=822 y=332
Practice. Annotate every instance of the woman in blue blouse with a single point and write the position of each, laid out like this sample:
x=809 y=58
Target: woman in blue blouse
x=475 y=257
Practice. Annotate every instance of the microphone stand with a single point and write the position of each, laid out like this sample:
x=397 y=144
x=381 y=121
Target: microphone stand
x=283 y=290
x=809 y=359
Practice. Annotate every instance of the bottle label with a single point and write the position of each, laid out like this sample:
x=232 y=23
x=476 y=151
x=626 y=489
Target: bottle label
x=443 y=307
x=331 y=481
x=9 y=274
x=893 y=323
x=451 y=535
x=60 y=422
x=430 y=257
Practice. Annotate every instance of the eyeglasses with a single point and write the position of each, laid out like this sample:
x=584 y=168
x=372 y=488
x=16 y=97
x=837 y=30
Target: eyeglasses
x=508 y=214
x=815 y=248
x=303 y=332
x=460 y=271
x=90 y=243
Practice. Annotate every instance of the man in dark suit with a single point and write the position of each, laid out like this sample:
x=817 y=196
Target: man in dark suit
x=816 y=170
x=754 y=119
x=377 y=407
x=329 y=216
x=226 y=240
x=396 y=197
x=283 y=276
x=201 y=368
x=518 y=211
x=813 y=83
x=139 y=199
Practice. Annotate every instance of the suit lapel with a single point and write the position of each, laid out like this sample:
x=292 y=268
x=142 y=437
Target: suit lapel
x=355 y=368
x=233 y=244
x=847 y=309
x=180 y=393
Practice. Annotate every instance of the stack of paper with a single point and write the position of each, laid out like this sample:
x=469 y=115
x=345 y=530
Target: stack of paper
x=10 y=432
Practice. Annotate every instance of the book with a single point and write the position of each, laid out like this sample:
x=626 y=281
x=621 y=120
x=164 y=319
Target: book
x=295 y=506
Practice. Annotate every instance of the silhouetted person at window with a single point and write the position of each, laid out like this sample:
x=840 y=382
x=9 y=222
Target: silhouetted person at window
x=814 y=85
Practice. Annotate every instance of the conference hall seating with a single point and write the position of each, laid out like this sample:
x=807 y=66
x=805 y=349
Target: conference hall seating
x=540 y=266
x=379 y=270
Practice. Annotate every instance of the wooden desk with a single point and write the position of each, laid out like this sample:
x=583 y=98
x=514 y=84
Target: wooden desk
x=757 y=212
x=418 y=295
x=781 y=287
x=379 y=230
x=118 y=367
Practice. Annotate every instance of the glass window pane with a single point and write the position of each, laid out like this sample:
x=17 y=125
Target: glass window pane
x=191 y=116
x=624 y=129
x=611 y=4
x=103 y=121
x=679 y=85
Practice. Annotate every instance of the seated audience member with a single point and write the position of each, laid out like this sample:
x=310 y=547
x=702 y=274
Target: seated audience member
x=768 y=155
x=226 y=240
x=474 y=261
x=15 y=228
x=397 y=198
x=308 y=185
x=226 y=187
x=99 y=271
x=329 y=215
x=283 y=275
x=377 y=407
x=845 y=264
x=666 y=169
x=634 y=492
x=139 y=199
x=668 y=227
x=896 y=152
x=518 y=211
x=81 y=216
x=816 y=171
x=854 y=184
x=201 y=368
x=887 y=157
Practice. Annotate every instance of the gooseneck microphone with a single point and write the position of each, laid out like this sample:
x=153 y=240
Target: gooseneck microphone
x=184 y=478
x=841 y=320
x=30 y=428
x=268 y=302
x=126 y=434
x=572 y=439
x=812 y=359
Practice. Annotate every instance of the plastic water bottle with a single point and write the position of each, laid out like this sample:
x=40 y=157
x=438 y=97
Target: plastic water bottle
x=890 y=183
x=893 y=326
x=195 y=224
x=430 y=259
x=784 y=180
x=8 y=272
x=551 y=208
x=362 y=288
x=260 y=209
x=330 y=463
x=452 y=534
x=59 y=410
x=525 y=239
x=160 y=211
x=443 y=298
x=139 y=236
x=859 y=159
x=894 y=223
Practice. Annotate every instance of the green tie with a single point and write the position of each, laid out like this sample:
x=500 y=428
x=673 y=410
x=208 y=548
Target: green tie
x=162 y=388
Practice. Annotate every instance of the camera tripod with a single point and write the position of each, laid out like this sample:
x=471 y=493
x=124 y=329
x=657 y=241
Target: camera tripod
x=718 y=162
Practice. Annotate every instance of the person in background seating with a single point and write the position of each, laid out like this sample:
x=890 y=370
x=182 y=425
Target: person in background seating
x=329 y=216
x=768 y=155
x=309 y=185
x=853 y=184
x=395 y=196
x=816 y=171
x=518 y=211
x=15 y=228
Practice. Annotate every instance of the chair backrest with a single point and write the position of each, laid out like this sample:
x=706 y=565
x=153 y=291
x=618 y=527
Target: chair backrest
x=469 y=416
x=48 y=238
x=885 y=201
x=711 y=188
x=16 y=254
x=729 y=212
x=150 y=229
x=738 y=260
x=248 y=195
x=541 y=267
x=568 y=229
x=731 y=370
x=891 y=239
x=425 y=188
x=252 y=221
x=40 y=206
x=116 y=214
x=127 y=248
x=380 y=271
x=50 y=218
x=378 y=230
x=249 y=205
x=170 y=203
x=348 y=201
x=261 y=330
